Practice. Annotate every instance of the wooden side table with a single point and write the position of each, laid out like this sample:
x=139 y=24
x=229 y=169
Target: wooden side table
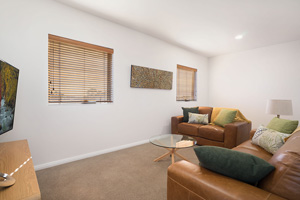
x=12 y=156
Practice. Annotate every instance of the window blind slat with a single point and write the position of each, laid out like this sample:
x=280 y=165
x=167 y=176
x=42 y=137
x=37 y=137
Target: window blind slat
x=91 y=76
x=78 y=72
x=59 y=50
x=70 y=72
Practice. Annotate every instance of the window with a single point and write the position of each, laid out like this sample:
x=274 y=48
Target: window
x=186 y=83
x=78 y=71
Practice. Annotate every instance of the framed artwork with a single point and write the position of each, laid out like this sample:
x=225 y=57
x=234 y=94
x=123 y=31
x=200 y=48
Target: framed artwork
x=8 y=92
x=144 y=77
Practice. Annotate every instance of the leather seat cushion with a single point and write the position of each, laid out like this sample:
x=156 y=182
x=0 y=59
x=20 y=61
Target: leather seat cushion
x=248 y=147
x=212 y=132
x=189 y=129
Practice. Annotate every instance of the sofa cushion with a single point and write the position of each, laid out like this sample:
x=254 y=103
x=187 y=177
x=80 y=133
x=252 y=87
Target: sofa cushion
x=238 y=165
x=285 y=179
x=186 y=112
x=225 y=117
x=248 y=147
x=283 y=125
x=269 y=139
x=212 y=132
x=189 y=129
x=206 y=110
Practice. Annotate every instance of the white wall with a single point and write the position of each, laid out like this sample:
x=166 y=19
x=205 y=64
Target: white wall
x=246 y=80
x=59 y=133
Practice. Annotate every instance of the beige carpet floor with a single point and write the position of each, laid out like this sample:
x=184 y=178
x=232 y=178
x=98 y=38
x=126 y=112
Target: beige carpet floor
x=128 y=174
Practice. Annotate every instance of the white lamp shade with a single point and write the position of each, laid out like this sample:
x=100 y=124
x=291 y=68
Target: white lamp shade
x=279 y=107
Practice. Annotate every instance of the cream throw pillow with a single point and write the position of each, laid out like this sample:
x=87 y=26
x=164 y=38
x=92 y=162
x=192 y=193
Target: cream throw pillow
x=198 y=118
x=269 y=139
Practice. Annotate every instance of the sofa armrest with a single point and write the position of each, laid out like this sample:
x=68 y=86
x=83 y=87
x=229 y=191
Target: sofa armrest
x=174 y=123
x=236 y=133
x=189 y=181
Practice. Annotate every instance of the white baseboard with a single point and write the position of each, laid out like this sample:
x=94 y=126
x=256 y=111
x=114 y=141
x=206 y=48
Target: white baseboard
x=88 y=155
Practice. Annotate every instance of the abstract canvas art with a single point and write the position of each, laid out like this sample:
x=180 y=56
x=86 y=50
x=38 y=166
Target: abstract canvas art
x=144 y=77
x=8 y=91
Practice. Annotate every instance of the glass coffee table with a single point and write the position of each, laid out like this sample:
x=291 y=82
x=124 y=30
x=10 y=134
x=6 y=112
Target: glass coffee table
x=172 y=142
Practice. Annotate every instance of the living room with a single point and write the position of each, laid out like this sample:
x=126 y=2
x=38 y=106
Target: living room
x=263 y=65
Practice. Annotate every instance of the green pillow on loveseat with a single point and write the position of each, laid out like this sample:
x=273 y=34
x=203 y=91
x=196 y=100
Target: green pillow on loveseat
x=225 y=117
x=186 y=112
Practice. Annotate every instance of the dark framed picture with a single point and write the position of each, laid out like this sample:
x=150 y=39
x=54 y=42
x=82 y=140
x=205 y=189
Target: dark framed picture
x=9 y=76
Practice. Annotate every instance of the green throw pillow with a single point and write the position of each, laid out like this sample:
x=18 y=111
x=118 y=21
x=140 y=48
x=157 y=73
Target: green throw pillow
x=238 y=165
x=186 y=112
x=283 y=125
x=225 y=117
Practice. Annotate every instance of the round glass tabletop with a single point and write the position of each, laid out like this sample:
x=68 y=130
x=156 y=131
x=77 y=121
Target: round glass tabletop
x=173 y=141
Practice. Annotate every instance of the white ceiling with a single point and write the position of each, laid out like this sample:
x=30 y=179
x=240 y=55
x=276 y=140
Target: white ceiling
x=207 y=27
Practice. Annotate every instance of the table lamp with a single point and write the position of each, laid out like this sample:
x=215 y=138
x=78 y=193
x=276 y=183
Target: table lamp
x=279 y=107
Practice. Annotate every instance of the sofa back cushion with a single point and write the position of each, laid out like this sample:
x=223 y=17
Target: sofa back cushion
x=285 y=179
x=206 y=110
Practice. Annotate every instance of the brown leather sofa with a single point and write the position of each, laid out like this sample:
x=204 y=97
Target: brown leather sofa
x=230 y=136
x=193 y=182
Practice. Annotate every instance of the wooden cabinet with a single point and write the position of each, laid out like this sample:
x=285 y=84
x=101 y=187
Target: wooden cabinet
x=12 y=156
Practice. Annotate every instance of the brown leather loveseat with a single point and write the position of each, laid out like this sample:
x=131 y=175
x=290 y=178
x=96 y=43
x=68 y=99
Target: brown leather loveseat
x=193 y=182
x=230 y=136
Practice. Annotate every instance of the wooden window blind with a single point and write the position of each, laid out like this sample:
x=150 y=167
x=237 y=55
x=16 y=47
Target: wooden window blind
x=186 y=87
x=78 y=71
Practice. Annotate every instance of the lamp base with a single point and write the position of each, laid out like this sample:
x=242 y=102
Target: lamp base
x=6 y=180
